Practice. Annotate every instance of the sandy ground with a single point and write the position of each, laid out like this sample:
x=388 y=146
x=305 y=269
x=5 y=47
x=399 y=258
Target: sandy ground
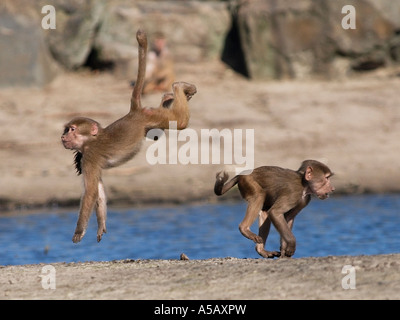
x=364 y=277
x=351 y=124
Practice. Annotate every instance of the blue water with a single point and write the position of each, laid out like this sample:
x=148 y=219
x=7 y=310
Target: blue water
x=341 y=225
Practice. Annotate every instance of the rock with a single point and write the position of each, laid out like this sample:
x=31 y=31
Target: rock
x=77 y=23
x=195 y=30
x=266 y=39
x=280 y=40
x=101 y=34
x=298 y=39
x=367 y=46
x=24 y=57
x=183 y=257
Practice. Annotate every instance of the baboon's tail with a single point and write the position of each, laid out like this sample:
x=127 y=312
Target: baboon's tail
x=137 y=90
x=220 y=186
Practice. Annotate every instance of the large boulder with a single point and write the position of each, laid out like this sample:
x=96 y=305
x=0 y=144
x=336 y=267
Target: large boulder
x=101 y=34
x=77 y=24
x=300 y=38
x=195 y=30
x=263 y=39
x=25 y=59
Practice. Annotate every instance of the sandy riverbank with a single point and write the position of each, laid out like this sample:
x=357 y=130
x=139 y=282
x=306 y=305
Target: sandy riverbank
x=375 y=277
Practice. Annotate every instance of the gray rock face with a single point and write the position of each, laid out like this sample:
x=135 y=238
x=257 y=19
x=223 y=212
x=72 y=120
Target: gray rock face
x=194 y=30
x=262 y=39
x=25 y=59
x=77 y=25
x=299 y=38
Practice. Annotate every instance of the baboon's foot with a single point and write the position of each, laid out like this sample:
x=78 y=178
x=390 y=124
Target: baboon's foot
x=188 y=89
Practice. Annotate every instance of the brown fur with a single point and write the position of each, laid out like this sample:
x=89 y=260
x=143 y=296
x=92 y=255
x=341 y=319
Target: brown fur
x=277 y=195
x=100 y=148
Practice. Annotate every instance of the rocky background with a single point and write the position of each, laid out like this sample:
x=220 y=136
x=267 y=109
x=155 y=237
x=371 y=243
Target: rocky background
x=288 y=69
x=262 y=40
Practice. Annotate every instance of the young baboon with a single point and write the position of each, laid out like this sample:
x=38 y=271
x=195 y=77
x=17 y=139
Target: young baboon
x=277 y=195
x=99 y=148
